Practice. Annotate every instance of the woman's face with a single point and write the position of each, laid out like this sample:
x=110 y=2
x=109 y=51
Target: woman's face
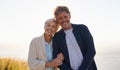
x=50 y=28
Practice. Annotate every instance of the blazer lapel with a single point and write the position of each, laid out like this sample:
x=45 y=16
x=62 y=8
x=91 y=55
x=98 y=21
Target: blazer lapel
x=78 y=38
x=64 y=48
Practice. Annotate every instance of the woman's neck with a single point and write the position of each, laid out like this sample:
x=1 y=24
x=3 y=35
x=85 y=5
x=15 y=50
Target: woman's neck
x=48 y=38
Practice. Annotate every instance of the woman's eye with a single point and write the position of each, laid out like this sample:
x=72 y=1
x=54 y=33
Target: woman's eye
x=48 y=25
x=54 y=27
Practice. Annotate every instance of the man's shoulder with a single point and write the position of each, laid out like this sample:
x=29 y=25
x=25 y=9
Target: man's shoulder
x=58 y=33
x=79 y=26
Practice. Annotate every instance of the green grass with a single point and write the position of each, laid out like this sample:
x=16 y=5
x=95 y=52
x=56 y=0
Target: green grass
x=13 y=64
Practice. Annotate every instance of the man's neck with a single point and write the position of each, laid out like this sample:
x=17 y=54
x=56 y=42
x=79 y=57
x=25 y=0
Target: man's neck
x=69 y=27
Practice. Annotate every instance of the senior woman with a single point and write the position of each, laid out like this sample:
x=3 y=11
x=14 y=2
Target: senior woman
x=40 y=51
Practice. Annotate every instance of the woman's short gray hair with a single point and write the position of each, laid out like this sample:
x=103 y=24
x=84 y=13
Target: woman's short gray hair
x=50 y=20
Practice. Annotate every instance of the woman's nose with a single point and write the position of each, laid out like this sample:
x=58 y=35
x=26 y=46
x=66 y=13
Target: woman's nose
x=50 y=27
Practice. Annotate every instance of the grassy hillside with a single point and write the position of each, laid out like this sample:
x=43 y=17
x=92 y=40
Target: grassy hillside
x=13 y=64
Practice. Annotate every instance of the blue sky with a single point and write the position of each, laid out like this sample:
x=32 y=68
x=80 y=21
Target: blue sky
x=22 y=20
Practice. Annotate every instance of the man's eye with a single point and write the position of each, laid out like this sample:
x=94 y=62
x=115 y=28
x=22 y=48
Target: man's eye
x=66 y=16
x=59 y=18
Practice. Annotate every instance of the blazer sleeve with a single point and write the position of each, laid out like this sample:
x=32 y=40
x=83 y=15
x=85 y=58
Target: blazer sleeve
x=57 y=50
x=33 y=62
x=89 y=48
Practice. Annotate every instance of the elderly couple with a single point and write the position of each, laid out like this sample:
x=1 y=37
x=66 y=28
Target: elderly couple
x=70 y=48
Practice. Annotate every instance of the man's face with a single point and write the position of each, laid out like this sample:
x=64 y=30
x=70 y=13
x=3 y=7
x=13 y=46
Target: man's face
x=63 y=19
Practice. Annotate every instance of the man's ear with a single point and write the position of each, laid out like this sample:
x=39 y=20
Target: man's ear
x=70 y=16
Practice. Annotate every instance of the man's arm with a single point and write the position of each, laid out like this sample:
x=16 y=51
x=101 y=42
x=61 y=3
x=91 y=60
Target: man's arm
x=90 y=52
x=56 y=51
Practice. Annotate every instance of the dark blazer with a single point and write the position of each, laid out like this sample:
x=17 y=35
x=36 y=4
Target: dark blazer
x=85 y=42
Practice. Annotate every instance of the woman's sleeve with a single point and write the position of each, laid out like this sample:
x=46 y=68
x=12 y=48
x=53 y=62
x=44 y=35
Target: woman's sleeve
x=33 y=62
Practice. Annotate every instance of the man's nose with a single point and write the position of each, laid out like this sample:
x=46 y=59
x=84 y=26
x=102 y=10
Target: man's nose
x=63 y=19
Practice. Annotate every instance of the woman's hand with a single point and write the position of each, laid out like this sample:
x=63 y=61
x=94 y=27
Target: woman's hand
x=58 y=60
x=55 y=62
x=60 y=56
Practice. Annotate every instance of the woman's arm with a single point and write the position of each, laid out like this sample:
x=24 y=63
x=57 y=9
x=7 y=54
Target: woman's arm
x=33 y=62
x=54 y=63
x=37 y=64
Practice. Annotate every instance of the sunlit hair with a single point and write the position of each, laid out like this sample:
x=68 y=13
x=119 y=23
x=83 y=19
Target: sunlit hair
x=60 y=9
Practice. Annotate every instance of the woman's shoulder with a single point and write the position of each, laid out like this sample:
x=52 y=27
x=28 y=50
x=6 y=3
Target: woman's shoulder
x=37 y=38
